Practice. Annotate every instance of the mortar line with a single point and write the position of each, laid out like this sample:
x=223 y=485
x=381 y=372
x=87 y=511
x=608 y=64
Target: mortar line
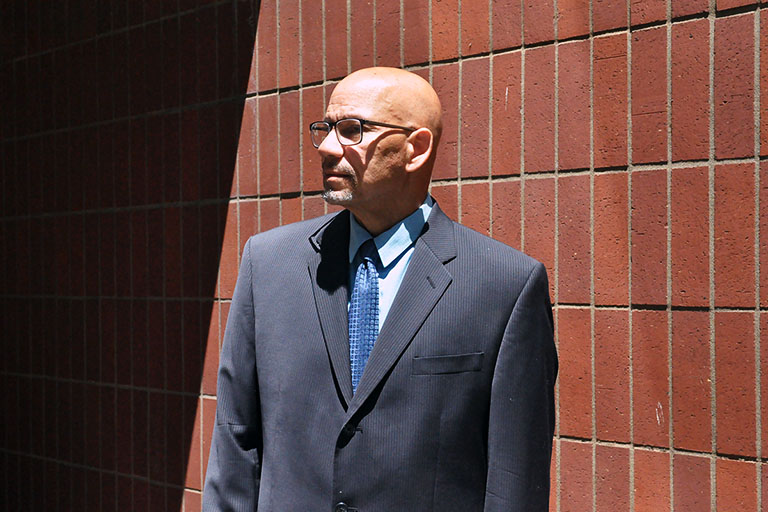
x=302 y=148
x=631 y=316
x=592 y=249
x=348 y=19
x=670 y=394
x=711 y=240
x=758 y=344
x=401 y=9
x=375 y=33
x=556 y=270
x=459 y=128
x=278 y=103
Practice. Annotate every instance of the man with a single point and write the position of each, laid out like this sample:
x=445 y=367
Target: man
x=411 y=372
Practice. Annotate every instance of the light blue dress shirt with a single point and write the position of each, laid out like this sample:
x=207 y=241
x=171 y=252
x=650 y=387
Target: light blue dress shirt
x=395 y=247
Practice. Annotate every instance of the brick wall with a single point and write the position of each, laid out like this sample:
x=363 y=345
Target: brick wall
x=624 y=144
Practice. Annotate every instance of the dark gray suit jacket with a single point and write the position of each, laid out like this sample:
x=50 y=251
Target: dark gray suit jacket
x=454 y=411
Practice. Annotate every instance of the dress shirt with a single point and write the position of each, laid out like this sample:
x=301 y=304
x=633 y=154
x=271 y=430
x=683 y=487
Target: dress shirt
x=395 y=247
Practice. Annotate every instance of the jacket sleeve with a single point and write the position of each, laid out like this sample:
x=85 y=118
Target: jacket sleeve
x=232 y=478
x=522 y=414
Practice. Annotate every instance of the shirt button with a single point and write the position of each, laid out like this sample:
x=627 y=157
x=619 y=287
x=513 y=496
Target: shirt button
x=341 y=507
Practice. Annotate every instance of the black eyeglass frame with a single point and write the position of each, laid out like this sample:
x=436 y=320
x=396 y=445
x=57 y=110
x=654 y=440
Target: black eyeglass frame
x=332 y=126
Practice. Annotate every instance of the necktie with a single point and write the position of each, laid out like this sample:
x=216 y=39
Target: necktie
x=363 y=310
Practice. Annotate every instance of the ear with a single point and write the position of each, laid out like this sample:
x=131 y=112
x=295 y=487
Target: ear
x=420 y=144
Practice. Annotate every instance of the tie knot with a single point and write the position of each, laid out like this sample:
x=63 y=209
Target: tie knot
x=368 y=251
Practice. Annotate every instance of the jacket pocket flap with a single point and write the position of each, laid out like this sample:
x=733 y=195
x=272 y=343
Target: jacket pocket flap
x=455 y=363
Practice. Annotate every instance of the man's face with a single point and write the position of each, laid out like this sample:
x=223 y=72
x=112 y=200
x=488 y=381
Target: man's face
x=363 y=176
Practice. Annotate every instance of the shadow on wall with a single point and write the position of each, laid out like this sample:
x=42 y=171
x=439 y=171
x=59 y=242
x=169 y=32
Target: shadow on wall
x=119 y=140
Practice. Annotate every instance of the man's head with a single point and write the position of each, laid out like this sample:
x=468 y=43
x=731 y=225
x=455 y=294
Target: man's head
x=385 y=176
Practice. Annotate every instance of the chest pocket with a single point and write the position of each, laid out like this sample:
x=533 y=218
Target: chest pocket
x=441 y=365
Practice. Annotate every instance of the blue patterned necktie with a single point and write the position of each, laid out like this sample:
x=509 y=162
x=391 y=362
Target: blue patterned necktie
x=363 y=310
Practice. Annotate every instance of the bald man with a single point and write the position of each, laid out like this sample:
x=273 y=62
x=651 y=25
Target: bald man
x=383 y=358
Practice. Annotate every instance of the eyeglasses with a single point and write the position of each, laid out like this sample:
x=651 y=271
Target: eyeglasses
x=348 y=131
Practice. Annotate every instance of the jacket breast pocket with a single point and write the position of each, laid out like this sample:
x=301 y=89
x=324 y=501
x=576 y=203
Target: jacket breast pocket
x=441 y=365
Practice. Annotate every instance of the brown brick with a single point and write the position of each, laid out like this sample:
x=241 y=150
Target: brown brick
x=311 y=41
x=734 y=90
x=575 y=378
x=290 y=166
x=691 y=380
x=507 y=28
x=475 y=207
x=246 y=151
x=539 y=109
x=736 y=487
x=572 y=18
x=690 y=90
x=475 y=37
x=312 y=110
x=290 y=210
x=289 y=43
x=731 y=4
x=539 y=230
x=506 y=114
x=646 y=12
x=609 y=14
x=734 y=235
x=388 y=34
x=574 y=251
x=763 y=82
x=575 y=476
x=610 y=101
x=268 y=149
x=690 y=237
x=763 y=235
x=649 y=237
x=446 y=83
x=650 y=387
x=474 y=117
x=573 y=105
x=649 y=95
x=692 y=482
x=266 y=44
x=735 y=384
x=506 y=212
x=269 y=214
x=611 y=239
x=764 y=379
x=445 y=29
x=314 y=206
x=651 y=480
x=335 y=39
x=361 y=35
x=447 y=196
x=539 y=19
x=416 y=31
x=612 y=473
x=687 y=7
x=612 y=375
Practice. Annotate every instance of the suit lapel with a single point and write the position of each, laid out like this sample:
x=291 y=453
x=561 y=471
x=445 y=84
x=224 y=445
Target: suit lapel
x=329 y=273
x=424 y=283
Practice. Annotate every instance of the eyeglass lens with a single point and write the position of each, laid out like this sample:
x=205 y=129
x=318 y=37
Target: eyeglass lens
x=348 y=131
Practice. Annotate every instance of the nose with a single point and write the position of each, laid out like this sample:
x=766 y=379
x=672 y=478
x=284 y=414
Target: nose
x=331 y=146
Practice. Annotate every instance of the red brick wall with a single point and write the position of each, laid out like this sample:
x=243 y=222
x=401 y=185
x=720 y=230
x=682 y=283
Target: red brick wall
x=622 y=143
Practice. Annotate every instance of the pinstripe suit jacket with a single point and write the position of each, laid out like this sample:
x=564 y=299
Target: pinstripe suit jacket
x=454 y=411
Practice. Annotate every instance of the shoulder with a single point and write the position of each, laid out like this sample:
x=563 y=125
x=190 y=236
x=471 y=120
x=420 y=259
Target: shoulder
x=290 y=239
x=488 y=254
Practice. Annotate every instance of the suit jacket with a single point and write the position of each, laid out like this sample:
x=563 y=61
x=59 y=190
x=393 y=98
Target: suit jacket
x=455 y=408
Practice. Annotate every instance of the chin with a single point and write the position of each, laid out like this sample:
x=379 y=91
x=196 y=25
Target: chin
x=338 y=197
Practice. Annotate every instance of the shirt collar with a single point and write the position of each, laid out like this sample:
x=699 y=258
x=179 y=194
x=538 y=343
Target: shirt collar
x=393 y=242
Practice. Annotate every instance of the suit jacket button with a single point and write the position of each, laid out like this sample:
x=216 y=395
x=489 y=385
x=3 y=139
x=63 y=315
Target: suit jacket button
x=349 y=430
x=341 y=507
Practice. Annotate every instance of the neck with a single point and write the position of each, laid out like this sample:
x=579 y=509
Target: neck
x=377 y=222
